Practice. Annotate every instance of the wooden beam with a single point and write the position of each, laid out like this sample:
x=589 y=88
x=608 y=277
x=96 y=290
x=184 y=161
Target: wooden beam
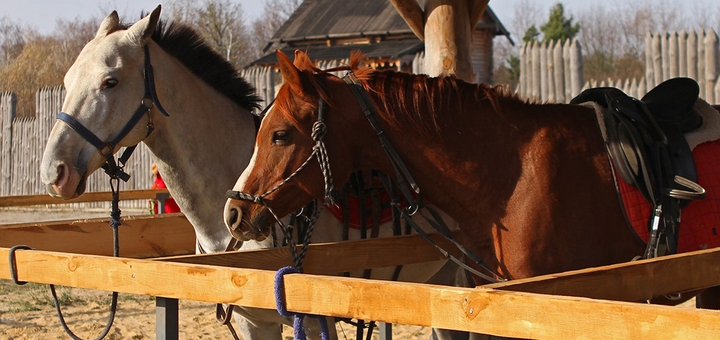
x=16 y=201
x=477 y=8
x=631 y=281
x=139 y=236
x=413 y=15
x=502 y=313
x=321 y=258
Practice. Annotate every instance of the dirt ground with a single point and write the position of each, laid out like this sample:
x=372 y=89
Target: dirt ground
x=27 y=312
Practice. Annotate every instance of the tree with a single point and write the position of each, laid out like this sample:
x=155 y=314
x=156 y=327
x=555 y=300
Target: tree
x=275 y=13
x=558 y=27
x=12 y=40
x=222 y=25
x=531 y=34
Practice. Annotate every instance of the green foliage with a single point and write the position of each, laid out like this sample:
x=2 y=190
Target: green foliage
x=558 y=27
x=531 y=34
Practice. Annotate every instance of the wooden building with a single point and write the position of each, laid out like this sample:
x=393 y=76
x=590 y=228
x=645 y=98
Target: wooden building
x=329 y=29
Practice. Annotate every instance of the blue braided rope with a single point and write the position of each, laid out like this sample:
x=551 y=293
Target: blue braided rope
x=280 y=304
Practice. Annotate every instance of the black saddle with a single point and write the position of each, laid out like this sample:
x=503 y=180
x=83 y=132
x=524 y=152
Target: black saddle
x=645 y=140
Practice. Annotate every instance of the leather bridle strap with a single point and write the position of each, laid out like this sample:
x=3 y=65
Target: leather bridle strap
x=400 y=169
x=415 y=203
x=106 y=149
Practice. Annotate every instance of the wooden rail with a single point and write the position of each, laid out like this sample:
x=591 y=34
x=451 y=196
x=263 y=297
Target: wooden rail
x=26 y=200
x=140 y=236
x=482 y=310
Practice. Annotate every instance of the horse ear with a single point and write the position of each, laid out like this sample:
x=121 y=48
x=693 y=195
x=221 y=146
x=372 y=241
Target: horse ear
x=301 y=60
x=142 y=30
x=290 y=72
x=109 y=24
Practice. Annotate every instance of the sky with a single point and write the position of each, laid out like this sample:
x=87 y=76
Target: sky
x=42 y=14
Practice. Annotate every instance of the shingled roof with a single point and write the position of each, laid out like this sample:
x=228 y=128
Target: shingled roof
x=321 y=20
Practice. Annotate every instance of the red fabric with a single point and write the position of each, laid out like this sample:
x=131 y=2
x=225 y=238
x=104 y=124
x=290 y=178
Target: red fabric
x=700 y=220
x=354 y=207
x=170 y=205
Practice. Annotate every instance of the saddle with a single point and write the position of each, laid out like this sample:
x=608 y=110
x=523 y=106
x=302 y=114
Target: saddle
x=646 y=143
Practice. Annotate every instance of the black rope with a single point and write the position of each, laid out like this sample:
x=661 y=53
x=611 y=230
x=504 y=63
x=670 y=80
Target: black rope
x=114 y=224
x=13 y=264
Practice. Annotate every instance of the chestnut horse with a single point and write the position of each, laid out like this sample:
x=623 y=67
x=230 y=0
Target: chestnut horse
x=531 y=185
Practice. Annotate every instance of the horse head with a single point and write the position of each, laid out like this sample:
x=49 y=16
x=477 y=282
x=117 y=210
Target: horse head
x=104 y=89
x=303 y=149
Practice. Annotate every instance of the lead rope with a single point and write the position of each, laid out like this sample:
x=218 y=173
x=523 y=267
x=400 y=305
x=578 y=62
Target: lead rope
x=114 y=224
x=298 y=258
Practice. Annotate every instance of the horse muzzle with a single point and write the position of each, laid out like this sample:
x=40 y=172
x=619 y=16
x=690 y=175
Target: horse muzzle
x=246 y=225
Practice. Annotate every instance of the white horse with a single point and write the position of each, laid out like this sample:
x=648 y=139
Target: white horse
x=199 y=148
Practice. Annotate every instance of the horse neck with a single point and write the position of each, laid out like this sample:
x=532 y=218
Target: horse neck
x=201 y=148
x=480 y=156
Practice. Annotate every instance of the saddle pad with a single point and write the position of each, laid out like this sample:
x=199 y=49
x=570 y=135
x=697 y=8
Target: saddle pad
x=700 y=220
x=354 y=210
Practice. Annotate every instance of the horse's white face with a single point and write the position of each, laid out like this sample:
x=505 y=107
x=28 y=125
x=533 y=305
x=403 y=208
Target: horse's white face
x=104 y=88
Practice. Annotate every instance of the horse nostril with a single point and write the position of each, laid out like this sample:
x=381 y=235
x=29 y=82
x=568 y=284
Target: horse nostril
x=232 y=218
x=62 y=175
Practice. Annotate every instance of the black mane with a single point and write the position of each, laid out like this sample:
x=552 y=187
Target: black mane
x=186 y=45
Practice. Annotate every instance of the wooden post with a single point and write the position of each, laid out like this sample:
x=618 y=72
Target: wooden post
x=682 y=54
x=447 y=39
x=544 y=86
x=711 y=46
x=664 y=56
x=576 y=68
x=649 y=69
x=701 y=62
x=566 y=71
x=559 y=67
x=522 y=86
x=657 y=62
x=413 y=15
x=673 y=55
x=535 y=71
x=446 y=27
x=692 y=51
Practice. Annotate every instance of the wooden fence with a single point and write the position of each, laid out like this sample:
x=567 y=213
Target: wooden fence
x=553 y=72
x=267 y=79
x=22 y=142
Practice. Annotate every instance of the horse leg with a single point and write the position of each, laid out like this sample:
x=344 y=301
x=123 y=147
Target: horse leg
x=709 y=299
x=312 y=328
x=257 y=330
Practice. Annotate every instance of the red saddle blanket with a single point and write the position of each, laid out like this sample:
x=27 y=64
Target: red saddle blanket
x=700 y=220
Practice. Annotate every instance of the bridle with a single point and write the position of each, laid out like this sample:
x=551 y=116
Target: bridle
x=404 y=180
x=115 y=170
x=106 y=149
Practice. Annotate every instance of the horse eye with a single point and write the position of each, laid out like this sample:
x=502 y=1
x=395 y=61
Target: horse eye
x=109 y=83
x=280 y=136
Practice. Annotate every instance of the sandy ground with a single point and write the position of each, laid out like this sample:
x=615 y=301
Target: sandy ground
x=27 y=312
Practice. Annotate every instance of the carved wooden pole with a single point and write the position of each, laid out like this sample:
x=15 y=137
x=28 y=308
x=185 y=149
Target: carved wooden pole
x=447 y=27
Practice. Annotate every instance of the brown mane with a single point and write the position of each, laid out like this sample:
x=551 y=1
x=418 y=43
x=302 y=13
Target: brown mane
x=409 y=100
x=417 y=100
